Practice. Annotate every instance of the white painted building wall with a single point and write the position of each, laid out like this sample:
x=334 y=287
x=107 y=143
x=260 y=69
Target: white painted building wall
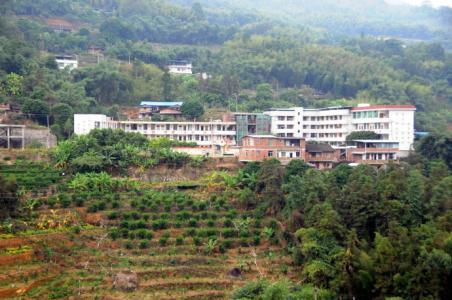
x=69 y=63
x=182 y=69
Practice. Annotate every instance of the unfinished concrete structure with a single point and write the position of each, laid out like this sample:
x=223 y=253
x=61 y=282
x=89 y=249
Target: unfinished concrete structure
x=12 y=136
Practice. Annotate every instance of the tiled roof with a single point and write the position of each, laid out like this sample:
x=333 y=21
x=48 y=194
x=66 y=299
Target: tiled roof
x=319 y=148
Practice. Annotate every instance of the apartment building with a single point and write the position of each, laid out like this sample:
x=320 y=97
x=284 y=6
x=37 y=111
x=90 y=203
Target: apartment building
x=332 y=125
x=216 y=133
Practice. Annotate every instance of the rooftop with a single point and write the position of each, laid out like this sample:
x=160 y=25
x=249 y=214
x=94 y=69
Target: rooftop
x=161 y=103
x=376 y=141
x=402 y=107
x=319 y=148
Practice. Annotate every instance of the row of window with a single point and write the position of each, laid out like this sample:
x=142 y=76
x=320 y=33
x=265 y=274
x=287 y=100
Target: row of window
x=285 y=127
x=283 y=118
x=371 y=126
x=370 y=114
x=322 y=135
x=178 y=127
x=200 y=138
x=323 y=118
x=335 y=126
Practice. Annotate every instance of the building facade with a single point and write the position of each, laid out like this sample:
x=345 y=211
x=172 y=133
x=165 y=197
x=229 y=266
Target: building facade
x=212 y=133
x=180 y=68
x=67 y=61
x=261 y=147
x=332 y=125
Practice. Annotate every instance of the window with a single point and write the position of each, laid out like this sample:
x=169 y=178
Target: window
x=281 y=127
x=305 y=118
x=270 y=153
x=96 y=124
x=281 y=118
x=283 y=154
x=289 y=126
x=289 y=118
x=145 y=126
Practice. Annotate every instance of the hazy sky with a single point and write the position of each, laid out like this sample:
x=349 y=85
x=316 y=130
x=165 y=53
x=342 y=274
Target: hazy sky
x=435 y=3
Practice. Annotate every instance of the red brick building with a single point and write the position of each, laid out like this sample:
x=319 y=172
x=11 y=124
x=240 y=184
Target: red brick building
x=260 y=147
x=322 y=156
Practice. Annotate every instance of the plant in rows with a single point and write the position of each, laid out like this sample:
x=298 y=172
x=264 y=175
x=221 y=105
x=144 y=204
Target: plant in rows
x=196 y=241
x=114 y=233
x=128 y=245
x=141 y=233
x=210 y=246
x=179 y=240
x=192 y=223
x=229 y=233
x=211 y=223
x=256 y=240
x=268 y=233
x=163 y=240
x=227 y=244
x=113 y=215
x=228 y=223
x=143 y=245
x=115 y=204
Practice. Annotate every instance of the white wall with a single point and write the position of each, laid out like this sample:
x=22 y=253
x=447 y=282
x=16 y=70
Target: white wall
x=84 y=123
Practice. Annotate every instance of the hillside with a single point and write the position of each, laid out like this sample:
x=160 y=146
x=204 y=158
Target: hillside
x=255 y=59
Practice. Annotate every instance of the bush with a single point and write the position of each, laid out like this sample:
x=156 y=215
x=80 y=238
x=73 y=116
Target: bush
x=210 y=223
x=192 y=223
x=163 y=240
x=227 y=244
x=113 y=215
x=114 y=234
x=197 y=241
x=76 y=229
x=51 y=201
x=142 y=233
x=64 y=200
x=179 y=240
x=228 y=223
x=128 y=245
x=149 y=235
x=115 y=204
x=143 y=244
x=124 y=232
x=229 y=233
x=244 y=242
x=256 y=240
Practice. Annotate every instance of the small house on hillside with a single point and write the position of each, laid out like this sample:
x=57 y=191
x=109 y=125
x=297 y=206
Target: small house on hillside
x=322 y=156
x=167 y=109
x=66 y=61
x=180 y=67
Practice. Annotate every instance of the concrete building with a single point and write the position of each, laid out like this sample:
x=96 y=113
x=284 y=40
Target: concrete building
x=180 y=67
x=12 y=136
x=261 y=147
x=67 y=61
x=212 y=133
x=373 y=152
x=332 y=125
x=322 y=156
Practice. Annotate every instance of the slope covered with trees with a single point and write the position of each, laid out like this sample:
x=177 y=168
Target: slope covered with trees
x=255 y=62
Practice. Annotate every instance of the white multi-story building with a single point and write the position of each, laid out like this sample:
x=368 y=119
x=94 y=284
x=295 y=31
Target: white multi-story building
x=180 y=68
x=332 y=125
x=213 y=133
x=67 y=61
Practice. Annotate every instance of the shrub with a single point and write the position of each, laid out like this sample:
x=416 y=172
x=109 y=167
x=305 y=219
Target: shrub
x=177 y=225
x=125 y=233
x=154 y=208
x=143 y=244
x=191 y=232
x=231 y=214
x=134 y=203
x=222 y=249
x=124 y=224
x=228 y=223
x=211 y=223
x=142 y=208
x=76 y=229
x=141 y=233
x=92 y=208
x=113 y=215
x=192 y=223
x=149 y=235
x=197 y=241
x=128 y=245
x=146 y=217
x=244 y=234
x=51 y=201
x=64 y=200
x=167 y=208
x=202 y=205
x=244 y=242
x=114 y=234
x=256 y=240
x=163 y=240
x=115 y=204
x=135 y=215
x=227 y=244
x=228 y=233
x=179 y=240
x=132 y=235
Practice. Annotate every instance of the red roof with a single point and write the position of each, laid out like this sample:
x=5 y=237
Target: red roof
x=169 y=111
x=407 y=107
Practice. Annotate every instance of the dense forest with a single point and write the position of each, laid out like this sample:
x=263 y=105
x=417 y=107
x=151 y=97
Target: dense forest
x=255 y=62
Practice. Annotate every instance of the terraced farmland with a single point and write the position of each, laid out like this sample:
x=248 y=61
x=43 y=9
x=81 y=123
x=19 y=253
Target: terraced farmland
x=194 y=244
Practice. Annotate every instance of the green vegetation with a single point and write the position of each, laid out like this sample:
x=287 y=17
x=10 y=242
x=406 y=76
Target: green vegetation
x=255 y=64
x=117 y=150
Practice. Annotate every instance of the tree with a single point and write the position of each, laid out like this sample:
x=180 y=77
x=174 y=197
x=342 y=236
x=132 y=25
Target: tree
x=14 y=84
x=38 y=110
x=264 y=92
x=9 y=200
x=362 y=135
x=269 y=181
x=192 y=109
x=166 y=86
x=296 y=167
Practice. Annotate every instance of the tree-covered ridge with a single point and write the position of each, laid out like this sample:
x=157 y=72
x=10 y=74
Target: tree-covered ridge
x=256 y=64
